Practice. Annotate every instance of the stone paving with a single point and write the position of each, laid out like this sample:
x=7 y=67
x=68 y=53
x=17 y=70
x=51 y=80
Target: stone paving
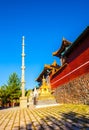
x=60 y=117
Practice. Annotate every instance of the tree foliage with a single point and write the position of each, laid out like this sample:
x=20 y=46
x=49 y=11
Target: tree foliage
x=14 y=86
x=28 y=92
x=12 y=91
x=3 y=95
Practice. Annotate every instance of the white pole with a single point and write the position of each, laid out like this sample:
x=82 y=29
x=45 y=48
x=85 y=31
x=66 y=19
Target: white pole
x=23 y=68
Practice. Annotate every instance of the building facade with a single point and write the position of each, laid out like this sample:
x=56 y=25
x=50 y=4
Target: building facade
x=70 y=81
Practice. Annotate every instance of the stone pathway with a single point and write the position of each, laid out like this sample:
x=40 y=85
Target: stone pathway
x=60 y=117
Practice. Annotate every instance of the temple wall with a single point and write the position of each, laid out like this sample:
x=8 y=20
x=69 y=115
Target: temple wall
x=75 y=91
x=71 y=82
x=78 y=64
x=81 y=50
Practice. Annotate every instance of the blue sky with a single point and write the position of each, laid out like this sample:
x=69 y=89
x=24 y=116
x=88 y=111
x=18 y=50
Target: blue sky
x=43 y=23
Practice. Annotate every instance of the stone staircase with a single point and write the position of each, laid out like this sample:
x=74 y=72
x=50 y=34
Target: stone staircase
x=46 y=102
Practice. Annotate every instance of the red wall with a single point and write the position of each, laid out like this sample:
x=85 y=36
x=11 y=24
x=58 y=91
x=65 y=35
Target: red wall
x=78 y=64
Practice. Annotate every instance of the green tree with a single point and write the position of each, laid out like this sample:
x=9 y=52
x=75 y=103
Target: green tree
x=3 y=95
x=28 y=92
x=14 y=88
x=11 y=92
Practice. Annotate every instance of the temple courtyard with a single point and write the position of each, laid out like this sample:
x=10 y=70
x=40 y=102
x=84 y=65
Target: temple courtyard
x=59 y=117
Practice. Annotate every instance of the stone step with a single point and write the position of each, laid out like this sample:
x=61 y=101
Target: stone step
x=46 y=102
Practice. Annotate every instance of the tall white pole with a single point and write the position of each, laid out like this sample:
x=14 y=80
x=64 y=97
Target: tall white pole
x=23 y=68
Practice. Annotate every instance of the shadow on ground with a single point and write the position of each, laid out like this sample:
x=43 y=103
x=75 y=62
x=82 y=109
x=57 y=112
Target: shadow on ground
x=66 y=121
